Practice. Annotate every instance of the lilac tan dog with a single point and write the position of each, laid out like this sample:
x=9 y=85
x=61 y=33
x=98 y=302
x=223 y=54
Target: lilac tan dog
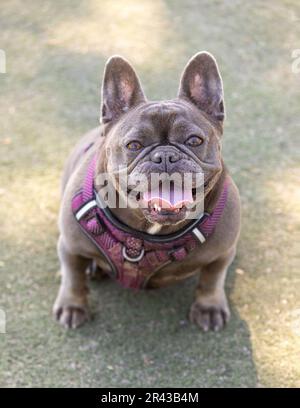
x=148 y=246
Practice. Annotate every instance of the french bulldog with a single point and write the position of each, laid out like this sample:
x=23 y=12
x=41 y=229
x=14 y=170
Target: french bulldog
x=179 y=135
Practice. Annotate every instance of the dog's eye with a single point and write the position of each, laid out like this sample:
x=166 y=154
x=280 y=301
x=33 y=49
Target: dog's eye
x=194 y=141
x=134 y=146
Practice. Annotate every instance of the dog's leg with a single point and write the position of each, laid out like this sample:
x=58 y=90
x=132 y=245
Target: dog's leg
x=71 y=308
x=210 y=309
x=94 y=272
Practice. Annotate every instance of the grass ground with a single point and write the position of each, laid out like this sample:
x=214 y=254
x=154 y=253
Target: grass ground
x=50 y=95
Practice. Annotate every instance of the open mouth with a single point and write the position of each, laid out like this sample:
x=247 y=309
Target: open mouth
x=155 y=213
x=168 y=204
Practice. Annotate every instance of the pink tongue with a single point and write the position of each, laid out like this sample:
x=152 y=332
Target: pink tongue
x=169 y=196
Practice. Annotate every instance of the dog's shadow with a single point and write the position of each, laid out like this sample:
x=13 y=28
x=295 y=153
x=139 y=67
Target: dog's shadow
x=145 y=339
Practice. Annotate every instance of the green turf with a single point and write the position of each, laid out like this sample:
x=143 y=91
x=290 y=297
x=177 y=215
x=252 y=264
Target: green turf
x=50 y=95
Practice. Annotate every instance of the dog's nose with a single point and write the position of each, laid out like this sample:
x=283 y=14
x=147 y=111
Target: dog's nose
x=160 y=156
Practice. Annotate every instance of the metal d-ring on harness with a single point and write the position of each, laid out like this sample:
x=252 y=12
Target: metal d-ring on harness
x=133 y=259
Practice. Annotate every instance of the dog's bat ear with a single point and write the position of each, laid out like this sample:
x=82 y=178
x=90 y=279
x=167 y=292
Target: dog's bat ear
x=121 y=89
x=201 y=84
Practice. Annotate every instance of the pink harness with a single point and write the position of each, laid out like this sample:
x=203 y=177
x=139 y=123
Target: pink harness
x=135 y=256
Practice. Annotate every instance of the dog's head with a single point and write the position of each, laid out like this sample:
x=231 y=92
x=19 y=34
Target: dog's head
x=179 y=136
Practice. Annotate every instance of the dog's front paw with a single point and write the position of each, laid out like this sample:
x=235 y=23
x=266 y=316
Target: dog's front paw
x=210 y=315
x=70 y=315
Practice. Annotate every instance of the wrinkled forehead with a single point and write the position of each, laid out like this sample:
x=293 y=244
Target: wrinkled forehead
x=163 y=109
x=165 y=114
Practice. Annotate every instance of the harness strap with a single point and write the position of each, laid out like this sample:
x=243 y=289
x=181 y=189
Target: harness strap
x=198 y=234
x=88 y=186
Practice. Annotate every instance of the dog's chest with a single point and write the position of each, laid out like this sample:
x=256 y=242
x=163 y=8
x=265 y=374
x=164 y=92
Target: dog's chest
x=167 y=275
